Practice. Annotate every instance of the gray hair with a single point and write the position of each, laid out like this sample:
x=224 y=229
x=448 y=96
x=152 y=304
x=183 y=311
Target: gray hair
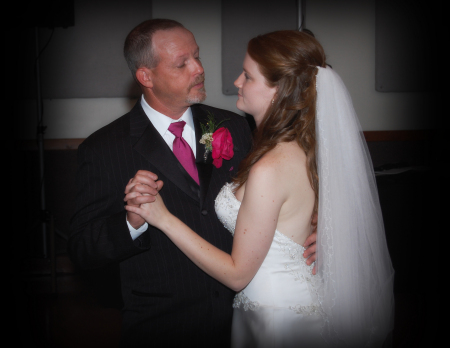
x=138 y=49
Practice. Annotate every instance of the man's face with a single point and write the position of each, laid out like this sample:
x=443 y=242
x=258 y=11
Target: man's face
x=178 y=79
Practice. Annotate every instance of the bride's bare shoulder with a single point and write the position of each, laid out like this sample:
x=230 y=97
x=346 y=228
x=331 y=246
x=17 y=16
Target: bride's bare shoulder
x=284 y=160
x=284 y=154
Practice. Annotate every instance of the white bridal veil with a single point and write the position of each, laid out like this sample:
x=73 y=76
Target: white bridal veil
x=352 y=256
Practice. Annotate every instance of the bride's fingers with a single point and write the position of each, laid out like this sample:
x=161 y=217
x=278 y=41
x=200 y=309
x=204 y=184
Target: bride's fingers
x=133 y=209
x=136 y=198
x=142 y=188
x=145 y=199
x=131 y=195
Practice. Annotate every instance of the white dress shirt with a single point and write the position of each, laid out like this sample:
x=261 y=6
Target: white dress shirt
x=162 y=122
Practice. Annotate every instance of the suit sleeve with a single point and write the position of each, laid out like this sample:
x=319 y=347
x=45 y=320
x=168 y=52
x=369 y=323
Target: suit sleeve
x=99 y=232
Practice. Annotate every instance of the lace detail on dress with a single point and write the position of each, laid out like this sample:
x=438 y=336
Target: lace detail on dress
x=295 y=252
x=227 y=207
x=306 y=310
x=240 y=300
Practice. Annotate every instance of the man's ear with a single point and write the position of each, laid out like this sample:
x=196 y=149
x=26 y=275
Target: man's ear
x=144 y=76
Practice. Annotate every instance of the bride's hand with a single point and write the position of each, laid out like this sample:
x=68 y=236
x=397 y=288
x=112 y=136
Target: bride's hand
x=155 y=213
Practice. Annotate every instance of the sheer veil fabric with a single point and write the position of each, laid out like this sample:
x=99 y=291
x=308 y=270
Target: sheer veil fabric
x=352 y=255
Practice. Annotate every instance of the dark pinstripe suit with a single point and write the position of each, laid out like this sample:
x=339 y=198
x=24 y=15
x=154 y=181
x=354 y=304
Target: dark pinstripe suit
x=168 y=301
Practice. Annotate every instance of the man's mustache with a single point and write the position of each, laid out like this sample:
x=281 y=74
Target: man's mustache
x=200 y=79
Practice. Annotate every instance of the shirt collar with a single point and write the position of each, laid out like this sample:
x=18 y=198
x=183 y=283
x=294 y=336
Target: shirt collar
x=162 y=122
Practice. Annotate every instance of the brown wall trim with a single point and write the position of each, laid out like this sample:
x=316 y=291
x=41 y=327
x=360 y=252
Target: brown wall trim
x=402 y=135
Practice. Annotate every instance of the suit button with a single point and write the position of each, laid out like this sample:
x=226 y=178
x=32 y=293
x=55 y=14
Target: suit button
x=204 y=212
x=216 y=293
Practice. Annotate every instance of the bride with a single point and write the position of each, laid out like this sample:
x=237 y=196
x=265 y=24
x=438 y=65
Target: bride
x=308 y=157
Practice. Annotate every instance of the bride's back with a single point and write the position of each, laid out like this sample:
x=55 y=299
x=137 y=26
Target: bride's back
x=289 y=160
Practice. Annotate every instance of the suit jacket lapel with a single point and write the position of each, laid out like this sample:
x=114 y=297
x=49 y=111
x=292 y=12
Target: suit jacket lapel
x=150 y=144
x=204 y=167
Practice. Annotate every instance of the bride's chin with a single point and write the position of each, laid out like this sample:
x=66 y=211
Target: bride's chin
x=239 y=106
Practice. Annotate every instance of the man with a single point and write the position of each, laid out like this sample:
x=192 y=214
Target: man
x=168 y=301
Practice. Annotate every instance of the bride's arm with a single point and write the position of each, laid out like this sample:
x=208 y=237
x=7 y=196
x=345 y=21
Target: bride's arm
x=255 y=228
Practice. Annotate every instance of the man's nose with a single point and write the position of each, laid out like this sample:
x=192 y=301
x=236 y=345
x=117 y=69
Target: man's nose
x=198 y=69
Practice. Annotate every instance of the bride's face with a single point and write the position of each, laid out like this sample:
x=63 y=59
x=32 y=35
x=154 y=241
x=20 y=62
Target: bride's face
x=254 y=95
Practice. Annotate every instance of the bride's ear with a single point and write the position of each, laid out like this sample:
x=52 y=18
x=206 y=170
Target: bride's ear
x=275 y=95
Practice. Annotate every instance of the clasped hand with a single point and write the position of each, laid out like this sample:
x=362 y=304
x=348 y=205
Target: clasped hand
x=144 y=203
x=140 y=191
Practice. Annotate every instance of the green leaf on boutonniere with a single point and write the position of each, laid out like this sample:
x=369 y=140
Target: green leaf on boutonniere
x=207 y=133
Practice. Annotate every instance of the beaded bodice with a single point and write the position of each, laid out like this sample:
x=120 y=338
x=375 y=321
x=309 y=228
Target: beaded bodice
x=284 y=274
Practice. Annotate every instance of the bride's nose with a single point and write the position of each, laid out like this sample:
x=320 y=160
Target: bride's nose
x=238 y=82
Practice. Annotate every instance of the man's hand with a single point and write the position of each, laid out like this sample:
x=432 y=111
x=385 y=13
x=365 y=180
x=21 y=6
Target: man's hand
x=142 y=188
x=310 y=244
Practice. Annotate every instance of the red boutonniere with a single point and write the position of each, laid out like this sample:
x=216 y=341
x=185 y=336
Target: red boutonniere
x=222 y=146
x=217 y=140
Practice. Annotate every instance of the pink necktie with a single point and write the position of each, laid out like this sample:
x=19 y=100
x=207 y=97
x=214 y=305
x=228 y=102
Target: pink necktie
x=182 y=150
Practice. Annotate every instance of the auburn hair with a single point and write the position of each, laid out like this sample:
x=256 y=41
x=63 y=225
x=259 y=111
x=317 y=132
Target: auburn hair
x=287 y=59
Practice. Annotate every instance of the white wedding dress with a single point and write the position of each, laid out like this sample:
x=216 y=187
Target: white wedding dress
x=279 y=307
x=350 y=302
